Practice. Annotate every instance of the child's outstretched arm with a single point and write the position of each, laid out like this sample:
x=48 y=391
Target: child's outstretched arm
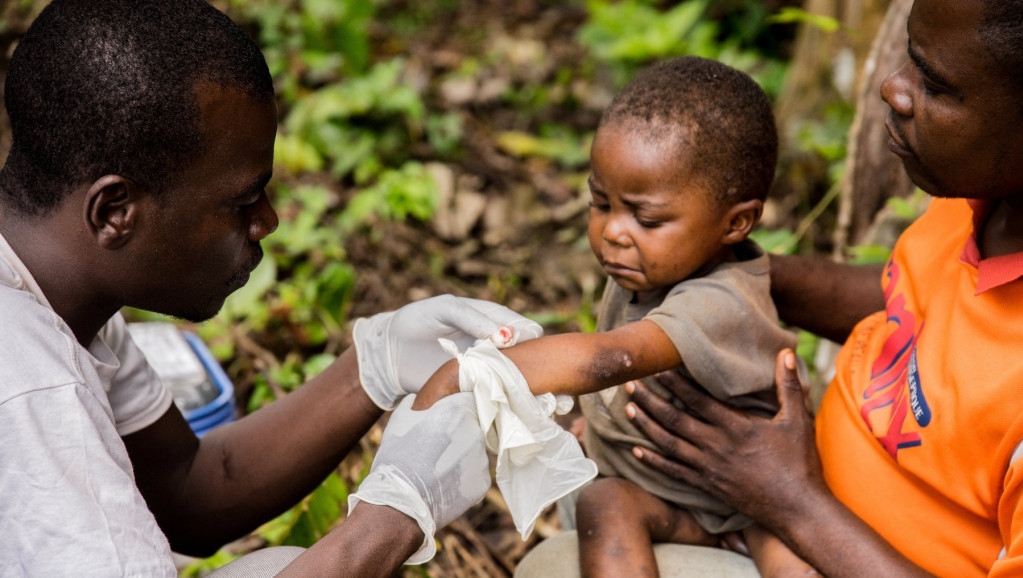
x=575 y=363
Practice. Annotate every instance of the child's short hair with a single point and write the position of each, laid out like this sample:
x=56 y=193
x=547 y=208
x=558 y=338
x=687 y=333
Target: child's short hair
x=719 y=118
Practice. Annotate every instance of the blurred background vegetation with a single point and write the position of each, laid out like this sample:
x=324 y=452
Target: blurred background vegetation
x=442 y=147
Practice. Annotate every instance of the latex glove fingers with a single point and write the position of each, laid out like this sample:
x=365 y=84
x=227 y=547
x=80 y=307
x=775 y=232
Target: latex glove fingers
x=432 y=466
x=512 y=327
x=398 y=351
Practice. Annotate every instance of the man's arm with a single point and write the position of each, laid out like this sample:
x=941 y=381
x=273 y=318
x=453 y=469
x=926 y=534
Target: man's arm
x=431 y=466
x=204 y=493
x=373 y=541
x=824 y=297
x=768 y=469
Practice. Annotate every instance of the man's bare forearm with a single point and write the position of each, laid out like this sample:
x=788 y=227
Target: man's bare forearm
x=245 y=473
x=374 y=542
x=824 y=297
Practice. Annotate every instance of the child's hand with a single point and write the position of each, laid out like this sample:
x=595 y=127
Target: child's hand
x=578 y=429
x=440 y=385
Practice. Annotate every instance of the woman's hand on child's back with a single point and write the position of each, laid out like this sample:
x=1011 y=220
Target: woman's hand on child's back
x=440 y=385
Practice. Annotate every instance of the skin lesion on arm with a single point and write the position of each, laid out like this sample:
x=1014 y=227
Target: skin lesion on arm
x=575 y=363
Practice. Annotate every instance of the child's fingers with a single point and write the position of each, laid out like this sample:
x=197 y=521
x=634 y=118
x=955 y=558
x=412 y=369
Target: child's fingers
x=734 y=541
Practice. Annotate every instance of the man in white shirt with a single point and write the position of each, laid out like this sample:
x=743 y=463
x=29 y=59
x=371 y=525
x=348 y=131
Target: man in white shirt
x=143 y=139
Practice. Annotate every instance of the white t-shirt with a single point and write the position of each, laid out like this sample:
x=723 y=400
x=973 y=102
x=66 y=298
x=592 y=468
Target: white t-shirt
x=68 y=501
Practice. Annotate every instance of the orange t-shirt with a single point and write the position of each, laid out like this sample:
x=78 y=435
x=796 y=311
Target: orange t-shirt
x=919 y=430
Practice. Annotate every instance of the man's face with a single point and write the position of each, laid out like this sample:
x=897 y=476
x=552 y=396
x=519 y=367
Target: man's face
x=956 y=119
x=203 y=231
x=651 y=224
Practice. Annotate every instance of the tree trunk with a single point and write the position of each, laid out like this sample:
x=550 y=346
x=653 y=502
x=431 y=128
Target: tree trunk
x=827 y=67
x=872 y=174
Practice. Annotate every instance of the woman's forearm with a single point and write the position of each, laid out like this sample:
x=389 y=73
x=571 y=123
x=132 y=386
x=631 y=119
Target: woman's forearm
x=832 y=539
x=824 y=297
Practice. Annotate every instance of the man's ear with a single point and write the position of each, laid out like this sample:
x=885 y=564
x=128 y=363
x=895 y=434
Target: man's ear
x=740 y=220
x=111 y=210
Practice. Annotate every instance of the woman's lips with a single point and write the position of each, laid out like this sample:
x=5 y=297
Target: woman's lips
x=896 y=143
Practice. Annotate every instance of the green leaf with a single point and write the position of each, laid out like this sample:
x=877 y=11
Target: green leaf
x=869 y=254
x=789 y=15
x=806 y=346
x=774 y=241
x=249 y=301
x=297 y=155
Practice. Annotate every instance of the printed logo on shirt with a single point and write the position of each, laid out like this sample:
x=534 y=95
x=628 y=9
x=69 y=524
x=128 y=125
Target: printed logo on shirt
x=917 y=401
x=895 y=381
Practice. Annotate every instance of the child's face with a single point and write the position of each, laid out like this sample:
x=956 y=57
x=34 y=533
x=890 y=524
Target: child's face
x=955 y=117
x=651 y=225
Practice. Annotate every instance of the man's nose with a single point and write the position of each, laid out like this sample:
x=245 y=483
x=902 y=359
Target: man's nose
x=264 y=220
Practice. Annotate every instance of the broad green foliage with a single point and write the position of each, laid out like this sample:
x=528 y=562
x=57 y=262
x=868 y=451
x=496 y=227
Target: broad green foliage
x=311 y=519
x=359 y=127
x=631 y=33
x=635 y=32
x=309 y=42
x=406 y=192
x=559 y=144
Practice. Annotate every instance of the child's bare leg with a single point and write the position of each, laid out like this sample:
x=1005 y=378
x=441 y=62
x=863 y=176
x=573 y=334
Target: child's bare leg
x=618 y=522
x=772 y=557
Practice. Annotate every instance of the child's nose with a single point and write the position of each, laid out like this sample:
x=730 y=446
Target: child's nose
x=616 y=233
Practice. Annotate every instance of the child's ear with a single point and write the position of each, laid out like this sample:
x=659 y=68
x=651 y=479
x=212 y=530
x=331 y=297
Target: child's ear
x=740 y=220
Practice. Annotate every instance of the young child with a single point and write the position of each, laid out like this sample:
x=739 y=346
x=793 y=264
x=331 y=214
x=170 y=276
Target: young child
x=680 y=166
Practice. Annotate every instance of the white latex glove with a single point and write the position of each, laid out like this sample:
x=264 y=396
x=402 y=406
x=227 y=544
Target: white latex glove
x=398 y=350
x=538 y=462
x=432 y=466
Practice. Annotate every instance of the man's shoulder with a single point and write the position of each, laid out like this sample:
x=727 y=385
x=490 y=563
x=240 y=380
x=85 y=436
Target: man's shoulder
x=36 y=348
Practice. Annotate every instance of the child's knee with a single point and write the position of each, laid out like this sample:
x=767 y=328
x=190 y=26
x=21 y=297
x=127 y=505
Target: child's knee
x=607 y=490
x=606 y=497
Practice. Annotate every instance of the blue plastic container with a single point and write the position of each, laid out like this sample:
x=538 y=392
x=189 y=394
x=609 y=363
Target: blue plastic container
x=199 y=386
x=222 y=409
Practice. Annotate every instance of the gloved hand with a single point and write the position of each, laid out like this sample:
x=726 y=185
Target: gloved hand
x=432 y=466
x=398 y=350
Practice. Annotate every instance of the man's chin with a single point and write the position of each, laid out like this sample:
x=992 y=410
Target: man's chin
x=196 y=317
x=200 y=314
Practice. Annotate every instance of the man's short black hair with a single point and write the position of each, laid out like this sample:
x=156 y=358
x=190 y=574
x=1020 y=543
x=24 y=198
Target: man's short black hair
x=1001 y=31
x=719 y=118
x=100 y=87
